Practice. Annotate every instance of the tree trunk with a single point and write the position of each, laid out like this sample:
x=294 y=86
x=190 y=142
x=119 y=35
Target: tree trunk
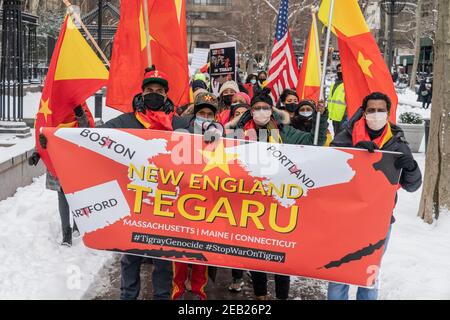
x=416 y=45
x=436 y=188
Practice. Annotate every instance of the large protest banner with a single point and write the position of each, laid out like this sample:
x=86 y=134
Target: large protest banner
x=316 y=212
x=222 y=66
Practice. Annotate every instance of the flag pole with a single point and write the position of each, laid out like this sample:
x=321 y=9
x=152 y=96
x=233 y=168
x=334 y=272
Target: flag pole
x=78 y=19
x=147 y=33
x=324 y=73
x=316 y=38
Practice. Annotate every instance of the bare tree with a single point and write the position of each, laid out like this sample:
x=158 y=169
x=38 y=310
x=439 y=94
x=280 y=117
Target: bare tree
x=436 y=188
x=418 y=34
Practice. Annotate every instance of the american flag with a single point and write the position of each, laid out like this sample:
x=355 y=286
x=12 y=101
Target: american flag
x=283 y=67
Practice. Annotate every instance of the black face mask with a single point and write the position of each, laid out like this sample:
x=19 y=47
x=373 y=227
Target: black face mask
x=292 y=107
x=227 y=100
x=261 y=81
x=154 y=101
x=339 y=75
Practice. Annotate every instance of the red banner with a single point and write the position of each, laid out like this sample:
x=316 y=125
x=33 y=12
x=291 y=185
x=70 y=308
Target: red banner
x=288 y=209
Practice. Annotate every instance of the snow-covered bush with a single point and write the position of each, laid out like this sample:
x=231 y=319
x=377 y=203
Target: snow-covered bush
x=411 y=118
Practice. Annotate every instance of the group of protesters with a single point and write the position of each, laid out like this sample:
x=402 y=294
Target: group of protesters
x=247 y=111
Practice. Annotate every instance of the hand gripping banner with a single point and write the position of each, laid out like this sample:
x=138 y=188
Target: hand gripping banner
x=306 y=211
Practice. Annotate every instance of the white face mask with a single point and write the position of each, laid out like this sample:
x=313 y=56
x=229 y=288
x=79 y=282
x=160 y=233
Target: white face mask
x=377 y=120
x=306 y=114
x=262 y=117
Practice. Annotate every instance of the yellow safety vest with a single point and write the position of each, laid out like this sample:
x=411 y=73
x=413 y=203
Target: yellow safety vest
x=336 y=103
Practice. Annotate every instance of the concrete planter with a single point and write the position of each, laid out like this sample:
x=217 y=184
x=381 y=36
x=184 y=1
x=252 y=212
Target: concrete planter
x=414 y=134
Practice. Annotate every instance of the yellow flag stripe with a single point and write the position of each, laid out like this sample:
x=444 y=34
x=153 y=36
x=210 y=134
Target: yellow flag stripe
x=347 y=17
x=312 y=73
x=76 y=58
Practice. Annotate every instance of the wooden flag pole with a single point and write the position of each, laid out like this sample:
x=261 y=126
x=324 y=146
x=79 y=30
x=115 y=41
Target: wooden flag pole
x=324 y=73
x=147 y=33
x=316 y=38
x=77 y=17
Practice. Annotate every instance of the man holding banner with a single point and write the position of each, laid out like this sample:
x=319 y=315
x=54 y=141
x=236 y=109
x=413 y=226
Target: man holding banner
x=370 y=129
x=152 y=111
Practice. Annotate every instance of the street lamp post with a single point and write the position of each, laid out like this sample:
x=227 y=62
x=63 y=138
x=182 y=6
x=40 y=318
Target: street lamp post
x=392 y=8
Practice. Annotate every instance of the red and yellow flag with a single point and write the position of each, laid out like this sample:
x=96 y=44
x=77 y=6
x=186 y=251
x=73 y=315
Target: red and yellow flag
x=363 y=68
x=167 y=19
x=308 y=86
x=75 y=73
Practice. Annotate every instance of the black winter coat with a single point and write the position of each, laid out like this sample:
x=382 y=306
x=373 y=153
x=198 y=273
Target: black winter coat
x=409 y=180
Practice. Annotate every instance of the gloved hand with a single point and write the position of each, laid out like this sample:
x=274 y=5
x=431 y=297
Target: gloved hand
x=34 y=159
x=212 y=131
x=405 y=161
x=368 y=145
x=79 y=111
x=138 y=103
x=43 y=141
x=320 y=107
x=168 y=107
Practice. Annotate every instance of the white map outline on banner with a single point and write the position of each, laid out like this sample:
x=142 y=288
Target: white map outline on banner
x=251 y=155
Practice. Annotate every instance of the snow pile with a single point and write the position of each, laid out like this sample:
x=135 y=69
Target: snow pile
x=18 y=146
x=417 y=261
x=34 y=264
x=407 y=102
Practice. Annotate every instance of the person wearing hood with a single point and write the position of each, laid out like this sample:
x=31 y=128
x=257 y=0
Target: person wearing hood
x=152 y=110
x=302 y=119
x=370 y=129
x=337 y=105
x=226 y=93
x=261 y=83
x=263 y=122
x=425 y=93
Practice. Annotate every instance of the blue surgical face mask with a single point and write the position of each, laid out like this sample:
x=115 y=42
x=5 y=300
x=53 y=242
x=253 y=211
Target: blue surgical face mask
x=253 y=81
x=200 y=120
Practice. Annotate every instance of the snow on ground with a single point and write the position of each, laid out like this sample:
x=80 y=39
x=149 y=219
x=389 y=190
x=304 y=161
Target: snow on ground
x=417 y=261
x=33 y=263
x=18 y=146
x=416 y=265
x=34 y=266
x=407 y=102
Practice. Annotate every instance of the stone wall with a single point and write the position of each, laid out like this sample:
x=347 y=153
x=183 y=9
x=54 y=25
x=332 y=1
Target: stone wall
x=16 y=172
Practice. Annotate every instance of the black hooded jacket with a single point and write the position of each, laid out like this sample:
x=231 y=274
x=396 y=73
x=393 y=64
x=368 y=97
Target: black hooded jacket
x=409 y=180
x=129 y=121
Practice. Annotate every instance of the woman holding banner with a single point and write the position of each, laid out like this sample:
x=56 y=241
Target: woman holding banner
x=265 y=123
